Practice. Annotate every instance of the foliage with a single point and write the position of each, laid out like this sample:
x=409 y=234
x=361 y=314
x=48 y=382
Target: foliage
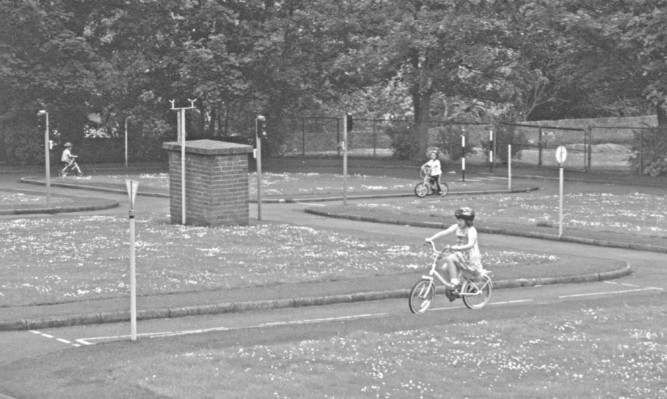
x=504 y=136
x=403 y=141
x=648 y=153
x=449 y=141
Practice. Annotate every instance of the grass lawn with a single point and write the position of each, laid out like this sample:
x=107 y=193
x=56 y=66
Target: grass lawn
x=633 y=213
x=60 y=259
x=274 y=184
x=571 y=350
x=592 y=353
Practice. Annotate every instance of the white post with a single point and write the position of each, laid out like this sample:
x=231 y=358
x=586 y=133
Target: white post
x=181 y=113
x=561 y=156
x=47 y=161
x=132 y=186
x=560 y=191
x=509 y=167
x=345 y=159
x=126 y=118
x=180 y=122
x=258 y=157
x=463 y=156
x=491 y=148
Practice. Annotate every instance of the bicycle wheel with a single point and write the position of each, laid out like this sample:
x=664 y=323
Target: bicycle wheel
x=421 y=190
x=444 y=189
x=421 y=296
x=477 y=294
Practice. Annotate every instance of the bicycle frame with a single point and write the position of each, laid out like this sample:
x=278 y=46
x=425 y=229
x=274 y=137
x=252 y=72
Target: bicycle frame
x=433 y=272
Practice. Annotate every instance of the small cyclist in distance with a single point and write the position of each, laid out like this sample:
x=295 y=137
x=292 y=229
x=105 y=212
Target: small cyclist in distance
x=436 y=170
x=466 y=257
x=69 y=161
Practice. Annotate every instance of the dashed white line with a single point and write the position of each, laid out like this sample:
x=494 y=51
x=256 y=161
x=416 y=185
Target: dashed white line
x=49 y=336
x=611 y=292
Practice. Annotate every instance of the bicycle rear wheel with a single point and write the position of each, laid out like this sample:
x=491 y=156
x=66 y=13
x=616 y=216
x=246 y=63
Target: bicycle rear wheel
x=421 y=190
x=421 y=296
x=478 y=293
x=444 y=189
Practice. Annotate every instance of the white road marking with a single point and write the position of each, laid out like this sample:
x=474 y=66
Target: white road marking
x=490 y=303
x=87 y=341
x=311 y=321
x=64 y=341
x=611 y=292
x=511 y=302
x=623 y=284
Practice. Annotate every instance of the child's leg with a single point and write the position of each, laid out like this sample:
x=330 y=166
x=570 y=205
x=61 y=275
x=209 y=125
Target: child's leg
x=452 y=271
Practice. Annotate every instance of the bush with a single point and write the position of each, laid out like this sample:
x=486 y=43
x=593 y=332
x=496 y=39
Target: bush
x=649 y=152
x=505 y=135
x=449 y=141
x=404 y=142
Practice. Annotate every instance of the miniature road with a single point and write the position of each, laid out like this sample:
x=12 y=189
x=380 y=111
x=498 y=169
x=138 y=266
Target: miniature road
x=648 y=281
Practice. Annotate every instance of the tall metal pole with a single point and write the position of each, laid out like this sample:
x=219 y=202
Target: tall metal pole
x=132 y=186
x=126 y=118
x=463 y=155
x=180 y=122
x=509 y=167
x=560 y=211
x=345 y=159
x=258 y=157
x=47 y=157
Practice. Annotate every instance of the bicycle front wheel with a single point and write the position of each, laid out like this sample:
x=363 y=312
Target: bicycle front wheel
x=476 y=294
x=421 y=296
x=421 y=190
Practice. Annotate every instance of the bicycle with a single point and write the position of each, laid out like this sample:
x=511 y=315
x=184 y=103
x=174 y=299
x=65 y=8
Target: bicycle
x=427 y=186
x=72 y=166
x=475 y=292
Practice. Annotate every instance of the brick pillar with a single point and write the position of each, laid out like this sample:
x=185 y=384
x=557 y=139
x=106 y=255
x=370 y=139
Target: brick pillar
x=216 y=182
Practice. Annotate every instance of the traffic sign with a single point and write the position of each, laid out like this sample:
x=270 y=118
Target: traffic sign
x=561 y=154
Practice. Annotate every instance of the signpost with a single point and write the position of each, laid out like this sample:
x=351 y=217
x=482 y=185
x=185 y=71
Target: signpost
x=463 y=155
x=132 y=186
x=181 y=137
x=47 y=160
x=347 y=125
x=509 y=167
x=260 y=131
x=561 y=156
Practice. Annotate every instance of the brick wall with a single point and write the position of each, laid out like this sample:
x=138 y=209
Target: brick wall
x=216 y=183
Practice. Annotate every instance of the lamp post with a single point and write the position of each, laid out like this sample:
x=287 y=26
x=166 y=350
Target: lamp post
x=260 y=131
x=47 y=160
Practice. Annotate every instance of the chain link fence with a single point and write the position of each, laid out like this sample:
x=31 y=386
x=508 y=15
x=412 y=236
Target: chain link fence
x=589 y=148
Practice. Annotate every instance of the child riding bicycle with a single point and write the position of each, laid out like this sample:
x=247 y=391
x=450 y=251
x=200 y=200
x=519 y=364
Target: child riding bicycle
x=69 y=161
x=466 y=258
x=435 y=169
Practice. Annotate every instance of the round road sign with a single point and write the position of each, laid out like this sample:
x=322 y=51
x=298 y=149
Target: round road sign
x=561 y=154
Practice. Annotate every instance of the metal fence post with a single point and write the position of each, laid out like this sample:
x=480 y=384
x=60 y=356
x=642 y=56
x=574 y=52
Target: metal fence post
x=303 y=136
x=539 y=147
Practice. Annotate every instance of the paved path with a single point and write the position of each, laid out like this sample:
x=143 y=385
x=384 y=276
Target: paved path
x=112 y=310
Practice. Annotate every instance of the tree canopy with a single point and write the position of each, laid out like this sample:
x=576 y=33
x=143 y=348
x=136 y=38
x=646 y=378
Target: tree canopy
x=511 y=59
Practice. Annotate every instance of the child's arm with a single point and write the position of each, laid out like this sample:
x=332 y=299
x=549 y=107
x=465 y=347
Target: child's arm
x=442 y=233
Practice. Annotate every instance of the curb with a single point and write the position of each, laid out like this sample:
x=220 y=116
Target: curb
x=376 y=196
x=240 y=307
x=491 y=230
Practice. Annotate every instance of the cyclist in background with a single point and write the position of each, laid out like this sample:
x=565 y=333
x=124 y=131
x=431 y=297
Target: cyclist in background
x=436 y=170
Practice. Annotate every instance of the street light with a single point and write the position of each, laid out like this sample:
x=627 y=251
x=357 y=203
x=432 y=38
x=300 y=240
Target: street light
x=47 y=162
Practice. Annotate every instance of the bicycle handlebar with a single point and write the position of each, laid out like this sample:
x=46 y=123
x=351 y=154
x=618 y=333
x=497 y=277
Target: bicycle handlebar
x=446 y=249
